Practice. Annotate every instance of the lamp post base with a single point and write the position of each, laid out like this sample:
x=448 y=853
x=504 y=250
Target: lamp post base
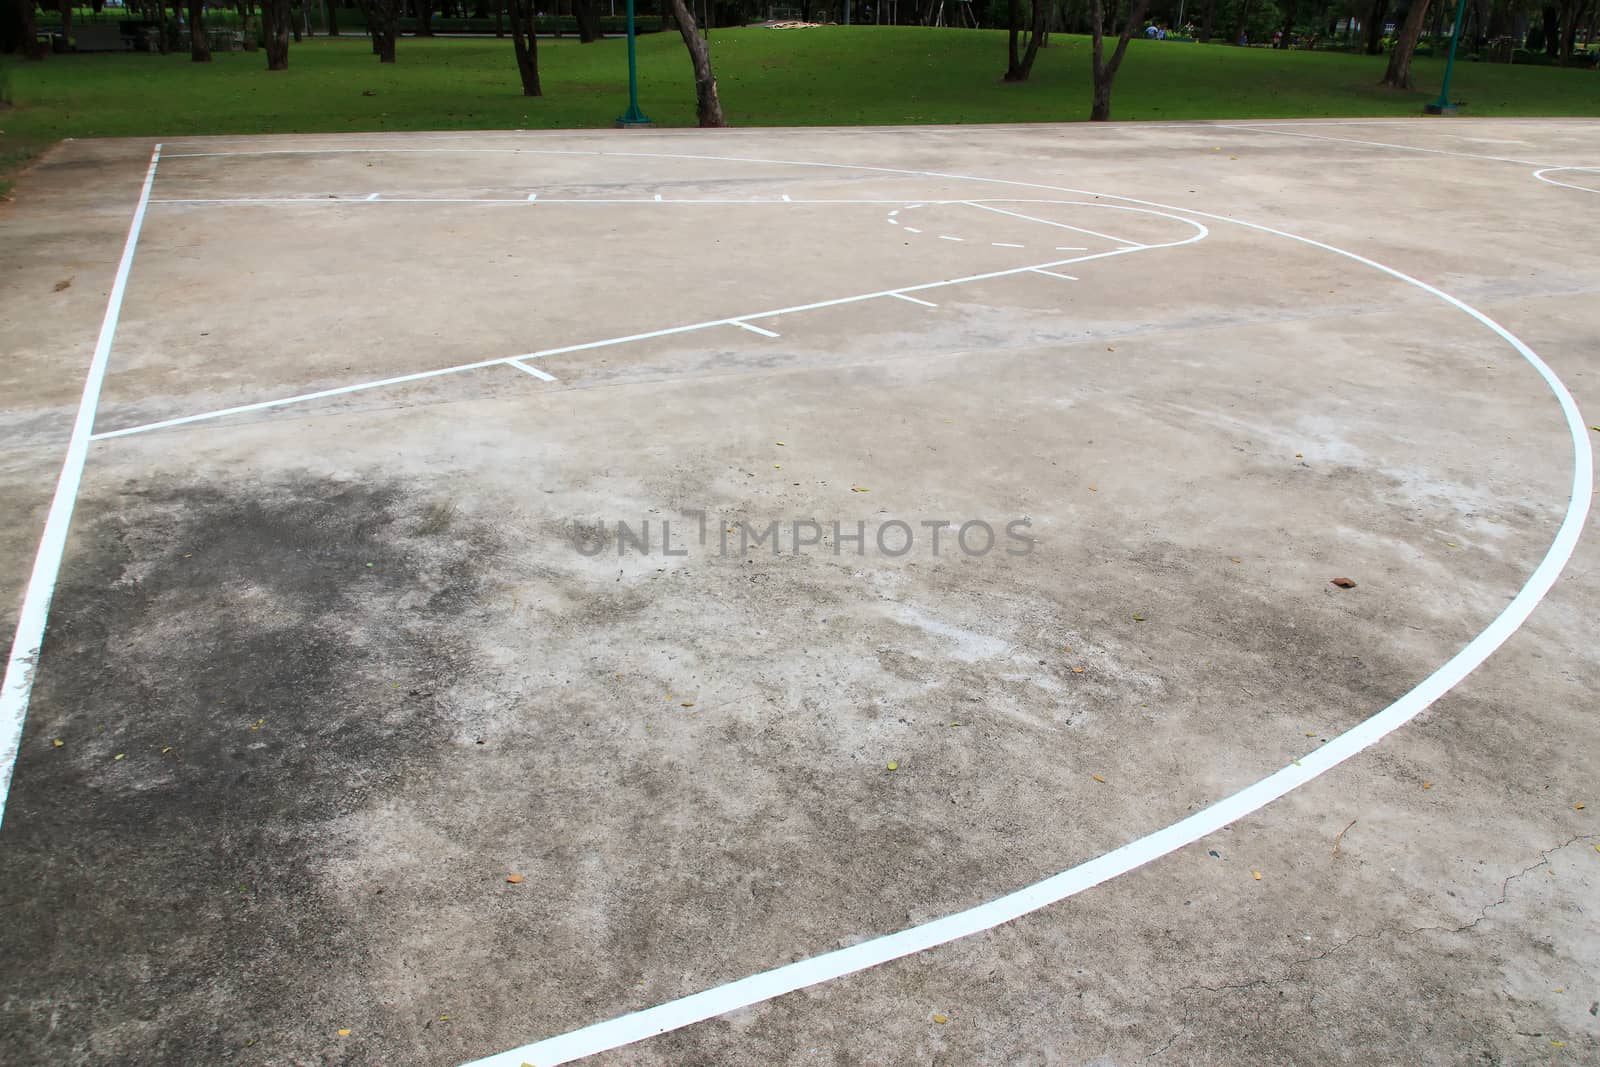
x=1440 y=109
x=640 y=123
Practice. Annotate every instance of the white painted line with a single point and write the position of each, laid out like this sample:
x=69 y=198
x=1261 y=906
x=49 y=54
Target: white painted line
x=893 y=222
x=947 y=237
x=371 y=198
x=914 y=300
x=1540 y=174
x=1382 y=144
x=639 y=1025
x=543 y=376
x=297 y=399
x=913 y=207
x=786 y=199
x=911 y=229
x=1049 y=222
x=1005 y=244
x=1070 y=248
x=1053 y=274
x=755 y=329
x=896 y=211
x=17 y=688
x=532 y=197
x=658 y=197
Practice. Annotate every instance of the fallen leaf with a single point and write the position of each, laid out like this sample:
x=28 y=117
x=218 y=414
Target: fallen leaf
x=1256 y=875
x=165 y=750
x=514 y=879
x=1077 y=670
x=893 y=765
x=57 y=742
x=687 y=704
x=65 y=283
x=1427 y=785
x=1138 y=618
x=777 y=466
x=941 y=1019
x=344 y=1032
x=118 y=756
x=1342 y=583
x=1097 y=778
x=778 y=443
x=1092 y=489
x=1235 y=559
x=1313 y=733
x=1110 y=349
x=955 y=724
x=859 y=489
x=1579 y=806
x=1299 y=455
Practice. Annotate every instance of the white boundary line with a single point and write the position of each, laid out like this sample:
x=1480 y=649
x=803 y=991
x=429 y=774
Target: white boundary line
x=1540 y=174
x=18 y=684
x=1383 y=144
x=685 y=1011
x=1048 y=222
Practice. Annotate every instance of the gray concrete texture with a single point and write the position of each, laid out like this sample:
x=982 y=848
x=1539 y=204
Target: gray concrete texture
x=327 y=674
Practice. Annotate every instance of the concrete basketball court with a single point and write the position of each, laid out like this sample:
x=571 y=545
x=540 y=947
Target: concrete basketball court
x=361 y=734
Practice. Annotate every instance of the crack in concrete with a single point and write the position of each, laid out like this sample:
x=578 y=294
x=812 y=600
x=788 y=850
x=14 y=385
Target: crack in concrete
x=1191 y=992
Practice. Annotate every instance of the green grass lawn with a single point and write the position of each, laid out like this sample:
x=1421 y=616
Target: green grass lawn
x=827 y=76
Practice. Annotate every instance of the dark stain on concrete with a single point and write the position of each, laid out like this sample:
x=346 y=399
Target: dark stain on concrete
x=229 y=669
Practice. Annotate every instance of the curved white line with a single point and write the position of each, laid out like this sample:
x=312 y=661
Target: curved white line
x=1540 y=174
x=710 y=1003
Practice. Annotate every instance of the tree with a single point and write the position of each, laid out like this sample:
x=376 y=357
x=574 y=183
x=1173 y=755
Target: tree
x=1373 y=24
x=66 y=20
x=708 y=108
x=1205 y=21
x=1398 y=76
x=199 y=47
x=383 y=22
x=275 y=33
x=17 y=28
x=526 y=45
x=587 y=12
x=1022 y=66
x=1106 y=71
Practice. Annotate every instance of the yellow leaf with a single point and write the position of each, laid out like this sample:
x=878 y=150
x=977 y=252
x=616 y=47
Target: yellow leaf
x=118 y=756
x=1427 y=785
x=514 y=879
x=893 y=765
x=344 y=1033
x=1077 y=670
x=1138 y=618
x=164 y=751
x=859 y=489
x=1313 y=733
x=777 y=466
x=1579 y=805
x=1256 y=875
x=1097 y=778
x=687 y=704
x=778 y=443
x=57 y=743
x=941 y=1019
x=1235 y=559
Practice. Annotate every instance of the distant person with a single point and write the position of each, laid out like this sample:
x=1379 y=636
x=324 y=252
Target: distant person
x=1150 y=31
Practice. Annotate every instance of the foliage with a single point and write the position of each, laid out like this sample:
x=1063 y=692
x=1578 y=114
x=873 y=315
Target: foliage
x=837 y=75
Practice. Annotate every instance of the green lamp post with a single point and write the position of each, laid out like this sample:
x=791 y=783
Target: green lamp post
x=1443 y=106
x=633 y=116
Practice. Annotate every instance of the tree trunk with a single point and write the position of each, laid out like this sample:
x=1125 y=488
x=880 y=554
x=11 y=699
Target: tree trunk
x=66 y=21
x=1398 y=76
x=294 y=22
x=1205 y=21
x=275 y=33
x=1244 y=23
x=587 y=12
x=1374 y=26
x=499 y=18
x=424 y=20
x=199 y=47
x=1014 y=31
x=708 y=108
x=1287 y=41
x=333 y=18
x=1569 y=29
x=1547 y=16
x=390 y=14
x=1103 y=71
x=526 y=45
x=1040 y=15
